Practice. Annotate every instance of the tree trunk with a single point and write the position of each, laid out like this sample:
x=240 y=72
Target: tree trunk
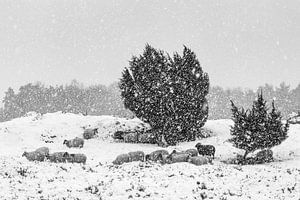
x=245 y=154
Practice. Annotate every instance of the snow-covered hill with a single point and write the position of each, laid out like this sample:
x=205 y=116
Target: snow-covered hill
x=99 y=179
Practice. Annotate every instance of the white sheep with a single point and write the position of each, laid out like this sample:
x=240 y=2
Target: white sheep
x=122 y=158
x=76 y=142
x=200 y=160
x=43 y=150
x=58 y=157
x=137 y=156
x=34 y=156
x=77 y=158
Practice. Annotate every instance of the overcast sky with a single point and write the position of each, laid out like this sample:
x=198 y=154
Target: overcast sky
x=239 y=43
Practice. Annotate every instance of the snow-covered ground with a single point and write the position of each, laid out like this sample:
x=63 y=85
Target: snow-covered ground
x=99 y=179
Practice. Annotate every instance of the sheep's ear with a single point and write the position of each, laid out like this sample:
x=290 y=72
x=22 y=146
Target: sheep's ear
x=24 y=153
x=65 y=141
x=66 y=154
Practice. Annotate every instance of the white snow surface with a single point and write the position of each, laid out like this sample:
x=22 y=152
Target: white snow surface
x=99 y=179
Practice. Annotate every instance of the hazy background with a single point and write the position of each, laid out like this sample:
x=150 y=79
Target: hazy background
x=239 y=43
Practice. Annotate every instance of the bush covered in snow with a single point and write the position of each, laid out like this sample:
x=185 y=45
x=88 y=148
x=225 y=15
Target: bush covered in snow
x=168 y=93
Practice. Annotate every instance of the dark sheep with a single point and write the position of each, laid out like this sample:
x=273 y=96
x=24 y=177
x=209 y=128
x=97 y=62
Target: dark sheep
x=76 y=158
x=76 y=142
x=122 y=158
x=34 y=156
x=137 y=156
x=199 y=160
x=206 y=150
x=156 y=155
x=58 y=157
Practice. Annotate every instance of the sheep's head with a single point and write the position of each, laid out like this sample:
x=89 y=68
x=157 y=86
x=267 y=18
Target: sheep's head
x=65 y=142
x=66 y=154
x=147 y=157
x=198 y=145
x=24 y=154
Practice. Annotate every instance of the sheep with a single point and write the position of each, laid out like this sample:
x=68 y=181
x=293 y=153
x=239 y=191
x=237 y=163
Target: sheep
x=206 y=150
x=76 y=142
x=34 y=156
x=90 y=133
x=58 y=157
x=199 y=160
x=43 y=150
x=175 y=157
x=192 y=152
x=76 y=158
x=122 y=158
x=136 y=156
x=156 y=155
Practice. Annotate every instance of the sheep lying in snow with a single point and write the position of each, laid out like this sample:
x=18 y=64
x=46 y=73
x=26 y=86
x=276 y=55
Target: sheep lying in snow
x=123 y=158
x=76 y=142
x=136 y=156
x=43 y=150
x=176 y=157
x=39 y=154
x=34 y=156
x=157 y=155
x=58 y=157
x=192 y=152
x=90 y=133
x=206 y=150
x=76 y=158
x=199 y=160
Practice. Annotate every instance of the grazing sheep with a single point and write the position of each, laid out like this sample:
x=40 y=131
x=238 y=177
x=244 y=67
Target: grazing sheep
x=122 y=158
x=58 y=157
x=156 y=155
x=181 y=157
x=206 y=150
x=43 y=150
x=199 y=160
x=136 y=156
x=90 y=133
x=76 y=158
x=192 y=152
x=34 y=156
x=76 y=142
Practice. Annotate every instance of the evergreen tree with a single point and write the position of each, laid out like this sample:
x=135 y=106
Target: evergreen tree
x=277 y=131
x=257 y=129
x=168 y=93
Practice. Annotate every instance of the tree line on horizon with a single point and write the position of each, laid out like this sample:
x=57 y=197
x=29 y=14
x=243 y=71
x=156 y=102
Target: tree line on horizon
x=106 y=100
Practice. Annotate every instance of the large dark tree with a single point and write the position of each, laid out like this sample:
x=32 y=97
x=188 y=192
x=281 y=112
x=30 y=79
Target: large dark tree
x=256 y=128
x=167 y=92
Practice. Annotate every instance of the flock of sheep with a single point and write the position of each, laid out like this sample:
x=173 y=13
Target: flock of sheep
x=42 y=153
x=200 y=156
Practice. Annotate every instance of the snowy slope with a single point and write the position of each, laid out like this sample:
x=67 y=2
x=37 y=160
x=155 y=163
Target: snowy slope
x=99 y=179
